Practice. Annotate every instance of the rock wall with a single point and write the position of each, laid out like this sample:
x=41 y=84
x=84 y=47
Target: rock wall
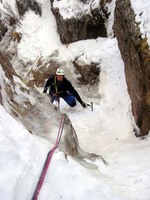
x=24 y=5
x=86 y=27
x=89 y=73
x=135 y=53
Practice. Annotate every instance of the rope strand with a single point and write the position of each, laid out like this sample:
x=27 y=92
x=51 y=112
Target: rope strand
x=48 y=159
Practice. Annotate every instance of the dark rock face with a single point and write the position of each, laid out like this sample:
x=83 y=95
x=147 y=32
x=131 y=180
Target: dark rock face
x=24 y=5
x=134 y=51
x=9 y=73
x=85 y=27
x=3 y=29
x=42 y=73
x=7 y=67
x=10 y=20
x=89 y=73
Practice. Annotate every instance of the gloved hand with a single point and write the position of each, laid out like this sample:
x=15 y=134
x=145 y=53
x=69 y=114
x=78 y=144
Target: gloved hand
x=83 y=104
x=45 y=90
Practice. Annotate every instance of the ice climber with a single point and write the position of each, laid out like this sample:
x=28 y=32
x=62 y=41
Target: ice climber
x=60 y=87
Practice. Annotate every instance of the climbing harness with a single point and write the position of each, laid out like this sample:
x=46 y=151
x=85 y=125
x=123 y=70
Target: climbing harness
x=55 y=82
x=48 y=159
x=57 y=98
x=56 y=87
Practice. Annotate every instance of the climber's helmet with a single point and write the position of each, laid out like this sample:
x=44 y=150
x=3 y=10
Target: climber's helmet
x=60 y=72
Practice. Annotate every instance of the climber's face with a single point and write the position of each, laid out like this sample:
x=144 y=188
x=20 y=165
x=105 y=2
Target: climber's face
x=59 y=77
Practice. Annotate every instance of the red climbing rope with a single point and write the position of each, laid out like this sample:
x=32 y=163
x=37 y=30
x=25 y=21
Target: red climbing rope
x=48 y=159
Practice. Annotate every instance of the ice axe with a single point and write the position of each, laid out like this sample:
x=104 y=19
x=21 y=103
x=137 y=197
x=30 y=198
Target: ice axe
x=90 y=104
